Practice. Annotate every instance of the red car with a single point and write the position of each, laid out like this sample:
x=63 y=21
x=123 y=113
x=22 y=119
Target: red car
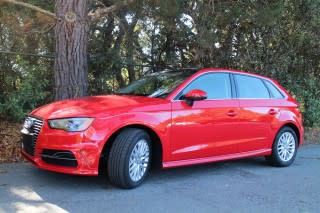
x=174 y=118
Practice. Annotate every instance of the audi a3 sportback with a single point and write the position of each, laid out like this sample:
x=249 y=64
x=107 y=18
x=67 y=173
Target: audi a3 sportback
x=174 y=118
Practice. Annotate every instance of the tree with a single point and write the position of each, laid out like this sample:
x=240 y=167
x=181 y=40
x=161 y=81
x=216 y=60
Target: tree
x=71 y=33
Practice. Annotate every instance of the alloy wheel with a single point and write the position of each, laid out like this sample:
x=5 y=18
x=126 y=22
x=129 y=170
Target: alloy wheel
x=139 y=160
x=286 y=146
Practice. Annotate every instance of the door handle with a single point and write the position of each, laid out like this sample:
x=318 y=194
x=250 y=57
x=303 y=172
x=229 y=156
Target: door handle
x=231 y=113
x=273 y=111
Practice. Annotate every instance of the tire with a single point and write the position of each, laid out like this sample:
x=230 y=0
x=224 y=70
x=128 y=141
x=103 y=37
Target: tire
x=284 y=148
x=129 y=158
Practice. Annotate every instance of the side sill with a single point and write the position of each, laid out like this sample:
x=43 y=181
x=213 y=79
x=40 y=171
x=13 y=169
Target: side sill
x=255 y=153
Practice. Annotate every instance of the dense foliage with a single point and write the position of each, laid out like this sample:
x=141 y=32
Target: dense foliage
x=280 y=39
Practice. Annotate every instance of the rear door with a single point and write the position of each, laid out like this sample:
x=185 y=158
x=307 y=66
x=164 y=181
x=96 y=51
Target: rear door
x=256 y=112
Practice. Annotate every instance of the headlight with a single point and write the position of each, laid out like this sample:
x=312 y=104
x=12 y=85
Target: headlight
x=71 y=124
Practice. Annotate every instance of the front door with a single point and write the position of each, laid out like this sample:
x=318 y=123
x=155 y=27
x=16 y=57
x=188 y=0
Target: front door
x=208 y=127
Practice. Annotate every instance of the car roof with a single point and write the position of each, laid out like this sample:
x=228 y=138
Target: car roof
x=205 y=70
x=199 y=71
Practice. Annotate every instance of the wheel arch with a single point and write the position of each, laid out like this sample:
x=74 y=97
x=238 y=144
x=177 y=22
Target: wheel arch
x=294 y=128
x=157 y=149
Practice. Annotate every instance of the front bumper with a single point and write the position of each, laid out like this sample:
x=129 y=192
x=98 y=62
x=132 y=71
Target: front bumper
x=82 y=167
x=75 y=153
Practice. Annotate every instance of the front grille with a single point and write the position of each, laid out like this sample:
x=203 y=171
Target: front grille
x=37 y=125
x=30 y=133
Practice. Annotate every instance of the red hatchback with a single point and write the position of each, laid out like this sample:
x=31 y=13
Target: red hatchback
x=174 y=118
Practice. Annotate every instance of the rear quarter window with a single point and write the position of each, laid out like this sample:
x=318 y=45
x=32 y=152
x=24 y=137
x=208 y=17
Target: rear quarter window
x=275 y=92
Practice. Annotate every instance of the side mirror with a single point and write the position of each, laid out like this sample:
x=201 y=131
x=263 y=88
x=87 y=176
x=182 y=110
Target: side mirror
x=194 y=95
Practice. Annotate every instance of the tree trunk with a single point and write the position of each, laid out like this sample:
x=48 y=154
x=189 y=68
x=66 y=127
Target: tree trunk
x=71 y=33
x=117 y=47
x=130 y=49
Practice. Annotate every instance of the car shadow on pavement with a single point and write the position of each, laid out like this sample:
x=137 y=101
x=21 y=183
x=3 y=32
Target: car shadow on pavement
x=155 y=176
x=211 y=169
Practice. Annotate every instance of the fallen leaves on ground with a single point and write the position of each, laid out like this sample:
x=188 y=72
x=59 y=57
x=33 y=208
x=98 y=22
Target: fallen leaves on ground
x=10 y=142
x=312 y=136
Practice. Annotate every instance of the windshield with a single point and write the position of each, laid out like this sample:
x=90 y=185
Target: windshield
x=156 y=85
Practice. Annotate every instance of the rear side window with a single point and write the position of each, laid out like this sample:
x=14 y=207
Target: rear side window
x=274 y=90
x=216 y=85
x=251 y=87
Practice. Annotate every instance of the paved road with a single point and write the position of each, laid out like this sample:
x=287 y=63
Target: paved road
x=239 y=186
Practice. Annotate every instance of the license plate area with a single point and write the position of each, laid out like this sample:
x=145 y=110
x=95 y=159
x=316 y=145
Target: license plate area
x=28 y=144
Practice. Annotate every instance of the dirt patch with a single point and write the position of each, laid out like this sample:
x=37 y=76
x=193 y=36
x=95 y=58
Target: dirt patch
x=10 y=142
x=312 y=136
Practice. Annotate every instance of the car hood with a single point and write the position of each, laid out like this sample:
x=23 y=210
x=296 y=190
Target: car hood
x=98 y=106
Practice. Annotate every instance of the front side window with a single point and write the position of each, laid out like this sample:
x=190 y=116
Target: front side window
x=216 y=85
x=251 y=87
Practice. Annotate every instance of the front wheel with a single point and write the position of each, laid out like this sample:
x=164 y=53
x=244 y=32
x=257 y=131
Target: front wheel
x=129 y=158
x=284 y=148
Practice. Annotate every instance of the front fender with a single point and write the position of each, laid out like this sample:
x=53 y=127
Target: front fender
x=158 y=122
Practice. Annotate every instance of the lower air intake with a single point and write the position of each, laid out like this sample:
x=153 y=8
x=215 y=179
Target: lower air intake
x=59 y=157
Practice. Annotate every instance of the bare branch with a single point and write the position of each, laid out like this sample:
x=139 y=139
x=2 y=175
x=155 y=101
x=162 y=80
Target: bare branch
x=30 y=6
x=101 y=12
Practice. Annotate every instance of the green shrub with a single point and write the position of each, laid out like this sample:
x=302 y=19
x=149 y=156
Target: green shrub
x=308 y=95
x=30 y=91
x=312 y=113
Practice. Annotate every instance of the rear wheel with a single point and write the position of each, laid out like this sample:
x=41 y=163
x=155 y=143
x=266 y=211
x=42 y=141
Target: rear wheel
x=129 y=158
x=284 y=148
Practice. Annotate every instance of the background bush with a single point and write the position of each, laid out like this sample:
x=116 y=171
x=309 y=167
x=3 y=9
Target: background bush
x=26 y=92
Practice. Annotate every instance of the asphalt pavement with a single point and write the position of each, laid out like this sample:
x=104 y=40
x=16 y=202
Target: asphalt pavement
x=248 y=185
